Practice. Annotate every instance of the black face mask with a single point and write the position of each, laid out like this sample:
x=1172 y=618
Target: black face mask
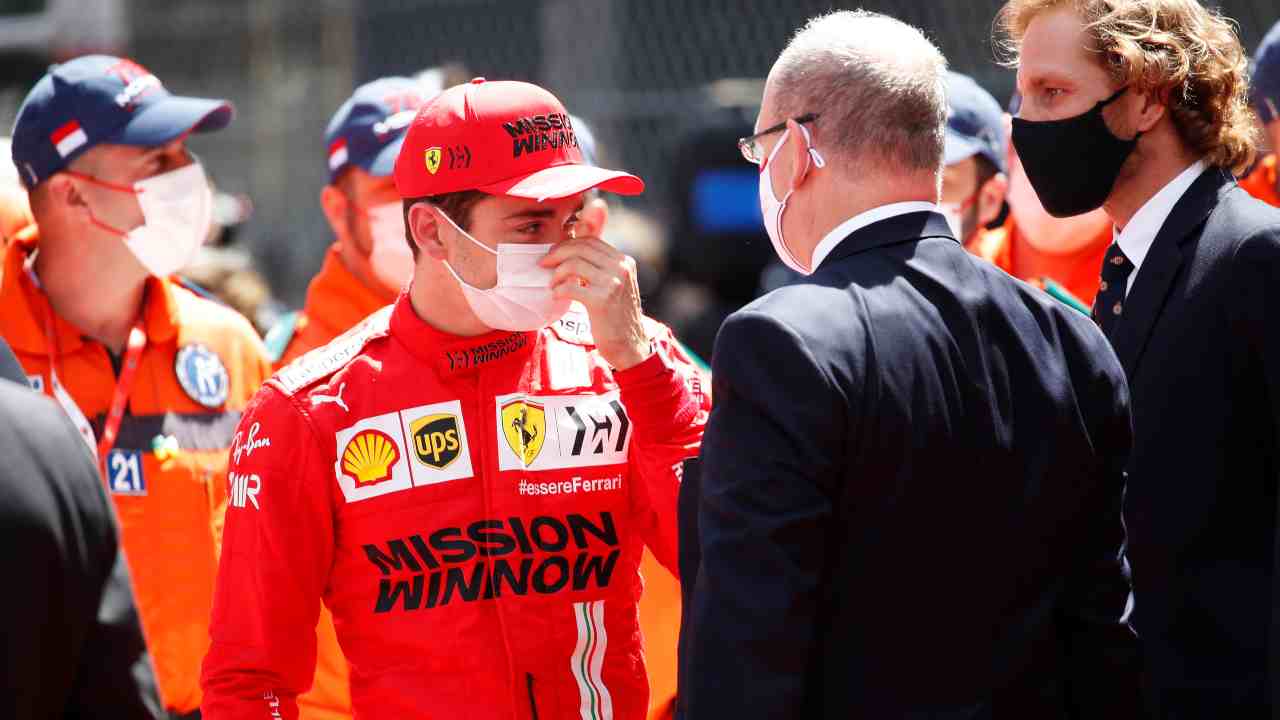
x=1072 y=163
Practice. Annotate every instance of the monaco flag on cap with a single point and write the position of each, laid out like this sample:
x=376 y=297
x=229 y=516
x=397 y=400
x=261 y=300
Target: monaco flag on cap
x=337 y=154
x=501 y=138
x=68 y=138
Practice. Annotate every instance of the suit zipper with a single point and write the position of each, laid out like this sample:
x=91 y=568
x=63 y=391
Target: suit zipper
x=533 y=703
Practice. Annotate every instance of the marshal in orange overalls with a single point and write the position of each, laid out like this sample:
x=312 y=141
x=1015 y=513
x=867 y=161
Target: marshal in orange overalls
x=167 y=471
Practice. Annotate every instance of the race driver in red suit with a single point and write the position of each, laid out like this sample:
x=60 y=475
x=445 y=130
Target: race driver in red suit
x=468 y=477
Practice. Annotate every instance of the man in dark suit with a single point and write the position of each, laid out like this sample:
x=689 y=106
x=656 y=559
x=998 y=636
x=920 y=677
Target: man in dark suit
x=912 y=474
x=1190 y=298
x=73 y=645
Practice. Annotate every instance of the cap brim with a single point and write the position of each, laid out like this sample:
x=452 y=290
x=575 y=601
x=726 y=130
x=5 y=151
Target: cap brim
x=384 y=163
x=564 y=180
x=958 y=148
x=173 y=117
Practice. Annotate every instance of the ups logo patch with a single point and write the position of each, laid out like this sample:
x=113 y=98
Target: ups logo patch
x=435 y=440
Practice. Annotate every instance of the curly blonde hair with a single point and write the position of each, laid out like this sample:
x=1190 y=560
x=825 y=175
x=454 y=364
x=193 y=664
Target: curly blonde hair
x=1177 y=50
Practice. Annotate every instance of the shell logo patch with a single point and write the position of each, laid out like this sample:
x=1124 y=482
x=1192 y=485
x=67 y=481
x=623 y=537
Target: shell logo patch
x=369 y=457
x=524 y=423
x=433 y=160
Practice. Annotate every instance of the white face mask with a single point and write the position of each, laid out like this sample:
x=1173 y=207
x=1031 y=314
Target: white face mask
x=177 y=211
x=390 y=258
x=772 y=208
x=522 y=299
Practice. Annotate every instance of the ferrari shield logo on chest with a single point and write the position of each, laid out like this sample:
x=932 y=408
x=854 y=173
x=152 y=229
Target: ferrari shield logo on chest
x=524 y=423
x=433 y=160
x=202 y=375
x=549 y=432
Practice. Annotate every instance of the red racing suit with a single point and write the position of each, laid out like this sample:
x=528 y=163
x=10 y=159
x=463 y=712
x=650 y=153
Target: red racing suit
x=471 y=510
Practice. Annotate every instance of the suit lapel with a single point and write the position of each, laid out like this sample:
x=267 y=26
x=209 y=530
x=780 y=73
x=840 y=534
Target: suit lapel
x=1160 y=268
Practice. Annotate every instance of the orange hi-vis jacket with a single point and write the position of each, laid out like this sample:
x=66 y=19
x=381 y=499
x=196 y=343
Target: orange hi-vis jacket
x=997 y=247
x=337 y=301
x=1261 y=182
x=167 y=471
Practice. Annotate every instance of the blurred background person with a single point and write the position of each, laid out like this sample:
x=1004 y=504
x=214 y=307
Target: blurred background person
x=369 y=261
x=153 y=376
x=73 y=647
x=1264 y=95
x=974 y=181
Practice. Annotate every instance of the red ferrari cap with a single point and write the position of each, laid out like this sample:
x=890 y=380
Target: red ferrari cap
x=501 y=138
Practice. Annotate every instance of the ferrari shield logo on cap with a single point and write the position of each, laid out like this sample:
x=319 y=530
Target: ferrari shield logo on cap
x=433 y=160
x=525 y=425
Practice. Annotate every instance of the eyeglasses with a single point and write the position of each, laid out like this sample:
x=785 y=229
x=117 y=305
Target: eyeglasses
x=750 y=145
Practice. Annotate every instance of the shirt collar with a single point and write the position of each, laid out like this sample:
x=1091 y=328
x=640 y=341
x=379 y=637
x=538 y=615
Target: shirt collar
x=1136 y=238
x=861 y=220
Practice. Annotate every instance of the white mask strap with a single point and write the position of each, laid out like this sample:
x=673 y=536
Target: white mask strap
x=464 y=233
x=813 y=151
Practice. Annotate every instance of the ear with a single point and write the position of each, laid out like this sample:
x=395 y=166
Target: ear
x=64 y=193
x=802 y=159
x=593 y=218
x=991 y=198
x=1151 y=109
x=425 y=230
x=334 y=204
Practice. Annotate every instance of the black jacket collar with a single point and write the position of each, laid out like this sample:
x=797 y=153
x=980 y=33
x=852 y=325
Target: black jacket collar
x=890 y=231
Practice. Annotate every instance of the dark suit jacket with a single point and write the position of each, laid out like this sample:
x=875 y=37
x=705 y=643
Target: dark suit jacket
x=1200 y=343
x=73 y=644
x=910 y=500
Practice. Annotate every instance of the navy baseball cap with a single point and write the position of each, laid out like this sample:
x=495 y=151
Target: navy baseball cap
x=975 y=122
x=102 y=99
x=369 y=128
x=1264 y=81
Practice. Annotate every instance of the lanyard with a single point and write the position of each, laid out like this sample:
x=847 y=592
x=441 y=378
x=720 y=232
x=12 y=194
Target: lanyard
x=119 y=398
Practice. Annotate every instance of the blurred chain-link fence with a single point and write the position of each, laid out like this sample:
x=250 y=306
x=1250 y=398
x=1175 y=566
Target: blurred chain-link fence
x=645 y=73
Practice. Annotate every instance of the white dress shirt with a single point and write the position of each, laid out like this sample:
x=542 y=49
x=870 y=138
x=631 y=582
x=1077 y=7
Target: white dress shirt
x=861 y=220
x=1136 y=238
